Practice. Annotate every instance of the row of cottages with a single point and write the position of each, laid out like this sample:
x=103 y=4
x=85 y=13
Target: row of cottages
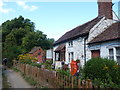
x=99 y=37
x=39 y=53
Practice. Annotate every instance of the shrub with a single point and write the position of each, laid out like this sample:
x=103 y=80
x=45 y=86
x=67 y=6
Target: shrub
x=102 y=69
x=36 y=64
x=27 y=58
x=62 y=72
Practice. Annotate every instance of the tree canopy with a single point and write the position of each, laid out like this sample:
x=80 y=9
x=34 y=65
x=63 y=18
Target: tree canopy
x=19 y=36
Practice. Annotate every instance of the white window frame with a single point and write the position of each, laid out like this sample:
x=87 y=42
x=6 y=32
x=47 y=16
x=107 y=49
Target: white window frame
x=70 y=43
x=70 y=56
x=112 y=54
x=117 y=54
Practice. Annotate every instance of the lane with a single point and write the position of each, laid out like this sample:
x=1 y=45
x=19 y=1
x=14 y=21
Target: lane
x=16 y=79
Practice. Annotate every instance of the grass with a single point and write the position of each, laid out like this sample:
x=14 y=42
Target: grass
x=30 y=81
x=15 y=69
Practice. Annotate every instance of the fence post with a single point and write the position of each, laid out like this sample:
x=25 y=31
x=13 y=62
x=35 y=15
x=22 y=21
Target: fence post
x=79 y=83
x=83 y=83
x=72 y=82
x=89 y=83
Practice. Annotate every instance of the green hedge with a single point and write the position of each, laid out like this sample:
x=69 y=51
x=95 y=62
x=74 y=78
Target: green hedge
x=104 y=70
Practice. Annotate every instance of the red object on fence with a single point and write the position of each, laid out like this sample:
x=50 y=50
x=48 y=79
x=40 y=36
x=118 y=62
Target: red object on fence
x=74 y=67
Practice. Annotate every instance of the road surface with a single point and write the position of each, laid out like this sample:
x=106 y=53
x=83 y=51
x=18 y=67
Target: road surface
x=16 y=79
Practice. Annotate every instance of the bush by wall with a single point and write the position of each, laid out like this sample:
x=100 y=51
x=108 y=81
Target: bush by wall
x=104 y=70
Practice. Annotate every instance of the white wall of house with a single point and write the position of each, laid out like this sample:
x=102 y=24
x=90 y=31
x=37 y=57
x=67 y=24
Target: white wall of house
x=104 y=48
x=49 y=54
x=78 y=44
x=77 y=49
x=101 y=26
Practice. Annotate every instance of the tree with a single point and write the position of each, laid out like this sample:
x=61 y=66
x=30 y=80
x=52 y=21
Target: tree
x=19 y=36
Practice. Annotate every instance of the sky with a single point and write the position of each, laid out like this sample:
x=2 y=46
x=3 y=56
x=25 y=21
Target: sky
x=52 y=18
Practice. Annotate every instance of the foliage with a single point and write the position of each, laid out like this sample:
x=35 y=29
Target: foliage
x=36 y=64
x=19 y=36
x=30 y=80
x=48 y=64
x=107 y=72
x=15 y=69
x=63 y=72
x=27 y=58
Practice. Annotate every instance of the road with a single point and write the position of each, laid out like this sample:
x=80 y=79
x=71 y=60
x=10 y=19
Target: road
x=16 y=79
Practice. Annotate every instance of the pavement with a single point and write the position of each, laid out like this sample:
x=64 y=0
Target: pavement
x=16 y=80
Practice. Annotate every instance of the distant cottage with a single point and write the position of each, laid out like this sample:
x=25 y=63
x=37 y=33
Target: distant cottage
x=38 y=53
x=99 y=37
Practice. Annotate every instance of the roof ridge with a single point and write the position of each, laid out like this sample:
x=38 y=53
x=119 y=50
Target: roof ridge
x=80 y=30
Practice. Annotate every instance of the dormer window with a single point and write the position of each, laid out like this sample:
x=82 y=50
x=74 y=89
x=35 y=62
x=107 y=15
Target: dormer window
x=70 y=43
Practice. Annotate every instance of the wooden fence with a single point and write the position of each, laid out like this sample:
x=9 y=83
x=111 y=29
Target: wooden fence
x=51 y=78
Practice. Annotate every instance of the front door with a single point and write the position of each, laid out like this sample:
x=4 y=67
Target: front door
x=95 y=53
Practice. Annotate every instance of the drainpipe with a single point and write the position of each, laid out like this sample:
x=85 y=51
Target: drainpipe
x=85 y=49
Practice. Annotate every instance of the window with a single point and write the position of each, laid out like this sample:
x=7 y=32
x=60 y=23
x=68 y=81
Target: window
x=118 y=54
x=70 y=56
x=70 y=44
x=111 y=54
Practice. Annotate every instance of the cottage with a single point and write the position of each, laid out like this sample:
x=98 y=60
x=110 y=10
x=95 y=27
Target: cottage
x=107 y=44
x=74 y=44
x=38 y=53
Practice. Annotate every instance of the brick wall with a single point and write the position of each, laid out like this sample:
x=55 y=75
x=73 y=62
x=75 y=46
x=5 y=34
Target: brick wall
x=105 y=8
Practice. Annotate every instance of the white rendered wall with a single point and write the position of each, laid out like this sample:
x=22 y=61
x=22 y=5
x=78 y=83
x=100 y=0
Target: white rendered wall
x=99 y=28
x=104 y=48
x=77 y=49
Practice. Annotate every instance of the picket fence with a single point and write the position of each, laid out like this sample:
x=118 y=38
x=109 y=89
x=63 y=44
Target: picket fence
x=52 y=79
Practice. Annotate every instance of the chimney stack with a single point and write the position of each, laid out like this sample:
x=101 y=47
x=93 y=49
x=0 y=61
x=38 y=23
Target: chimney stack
x=105 y=8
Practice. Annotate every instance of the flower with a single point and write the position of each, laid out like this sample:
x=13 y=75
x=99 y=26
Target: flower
x=105 y=68
x=115 y=66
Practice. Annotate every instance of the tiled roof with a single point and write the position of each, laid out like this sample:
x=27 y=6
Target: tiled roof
x=111 y=33
x=34 y=49
x=81 y=30
x=60 y=47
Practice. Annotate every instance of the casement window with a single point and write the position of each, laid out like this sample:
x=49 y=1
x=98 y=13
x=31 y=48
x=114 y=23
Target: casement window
x=118 y=54
x=70 y=56
x=111 y=54
x=70 y=43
